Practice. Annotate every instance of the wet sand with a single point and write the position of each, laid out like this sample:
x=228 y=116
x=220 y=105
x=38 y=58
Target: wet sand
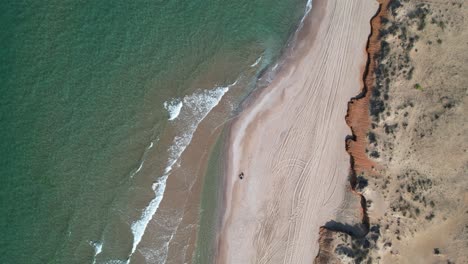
x=290 y=142
x=171 y=235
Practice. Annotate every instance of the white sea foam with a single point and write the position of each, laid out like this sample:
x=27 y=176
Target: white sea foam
x=117 y=261
x=142 y=162
x=139 y=167
x=193 y=109
x=173 y=107
x=161 y=255
x=275 y=67
x=139 y=226
x=307 y=10
x=190 y=110
x=169 y=225
x=97 y=249
x=308 y=6
x=256 y=62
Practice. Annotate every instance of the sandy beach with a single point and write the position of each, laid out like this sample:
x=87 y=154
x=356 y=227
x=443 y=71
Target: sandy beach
x=409 y=144
x=289 y=142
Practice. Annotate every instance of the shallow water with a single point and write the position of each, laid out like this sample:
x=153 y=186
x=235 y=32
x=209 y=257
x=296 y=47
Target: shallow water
x=83 y=93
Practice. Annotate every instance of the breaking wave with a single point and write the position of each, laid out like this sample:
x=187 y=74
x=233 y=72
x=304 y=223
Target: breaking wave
x=173 y=107
x=189 y=112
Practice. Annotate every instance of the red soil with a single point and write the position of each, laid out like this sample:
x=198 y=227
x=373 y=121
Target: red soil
x=359 y=120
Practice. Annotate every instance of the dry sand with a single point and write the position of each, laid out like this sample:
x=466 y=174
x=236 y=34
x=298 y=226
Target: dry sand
x=418 y=140
x=290 y=142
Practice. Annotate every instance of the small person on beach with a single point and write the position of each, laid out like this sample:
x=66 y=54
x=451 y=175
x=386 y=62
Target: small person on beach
x=241 y=175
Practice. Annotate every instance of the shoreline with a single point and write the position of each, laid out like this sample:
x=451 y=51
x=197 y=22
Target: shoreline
x=257 y=112
x=203 y=137
x=270 y=73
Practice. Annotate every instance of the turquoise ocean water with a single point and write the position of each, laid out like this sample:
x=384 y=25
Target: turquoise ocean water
x=86 y=87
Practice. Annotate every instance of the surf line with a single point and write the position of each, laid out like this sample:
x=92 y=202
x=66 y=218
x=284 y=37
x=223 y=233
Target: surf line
x=97 y=245
x=143 y=159
x=307 y=10
x=192 y=109
x=256 y=62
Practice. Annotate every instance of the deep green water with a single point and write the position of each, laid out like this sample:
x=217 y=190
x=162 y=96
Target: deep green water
x=82 y=91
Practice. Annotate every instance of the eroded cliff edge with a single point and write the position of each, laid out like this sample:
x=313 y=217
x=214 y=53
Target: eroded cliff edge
x=409 y=144
x=358 y=119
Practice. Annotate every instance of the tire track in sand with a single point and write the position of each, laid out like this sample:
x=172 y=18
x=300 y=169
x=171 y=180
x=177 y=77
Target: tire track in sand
x=290 y=144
